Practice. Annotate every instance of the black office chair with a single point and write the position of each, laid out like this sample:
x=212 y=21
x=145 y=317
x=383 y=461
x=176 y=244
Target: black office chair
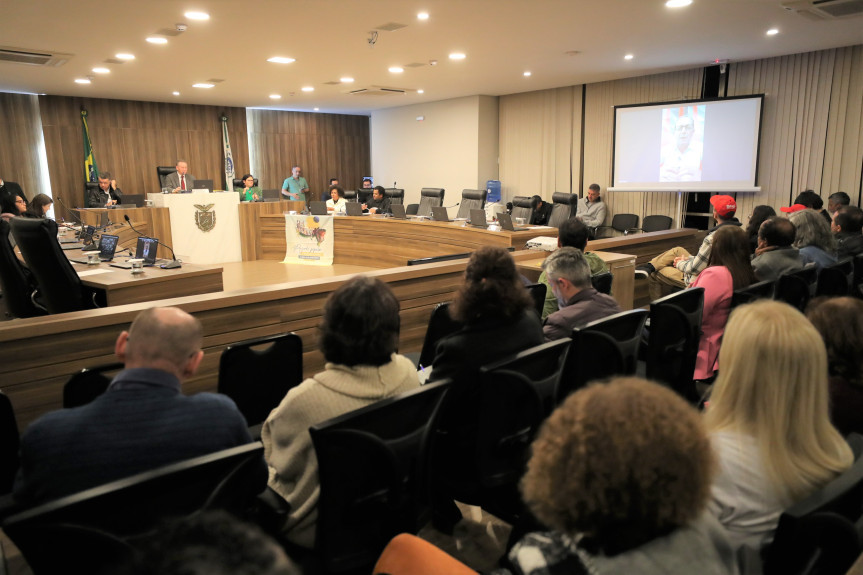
x=9 y=442
x=471 y=200
x=522 y=208
x=537 y=294
x=88 y=384
x=602 y=282
x=412 y=209
x=374 y=478
x=440 y=325
x=820 y=534
x=163 y=171
x=350 y=195
x=836 y=279
x=59 y=284
x=561 y=208
x=16 y=283
x=797 y=288
x=90 y=187
x=601 y=349
x=857 y=286
x=760 y=290
x=239 y=184
x=430 y=198
x=623 y=223
x=396 y=195
x=258 y=373
x=672 y=346
x=655 y=224
x=95 y=530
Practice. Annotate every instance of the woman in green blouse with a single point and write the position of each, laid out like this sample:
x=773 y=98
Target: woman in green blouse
x=250 y=192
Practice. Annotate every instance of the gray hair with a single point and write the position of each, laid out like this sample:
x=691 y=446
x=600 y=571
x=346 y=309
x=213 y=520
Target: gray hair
x=812 y=230
x=570 y=264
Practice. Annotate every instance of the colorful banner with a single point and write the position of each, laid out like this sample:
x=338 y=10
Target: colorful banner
x=229 y=158
x=91 y=172
x=310 y=240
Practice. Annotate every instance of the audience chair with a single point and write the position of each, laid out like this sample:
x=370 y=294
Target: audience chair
x=412 y=209
x=601 y=349
x=373 y=470
x=430 y=198
x=797 y=288
x=164 y=171
x=522 y=208
x=396 y=195
x=760 y=290
x=19 y=291
x=836 y=279
x=440 y=325
x=239 y=184
x=471 y=200
x=8 y=445
x=94 y=530
x=88 y=384
x=819 y=534
x=602 y=282
x=623 y=223
x=857 y=287
x=537 y=294
x=655 y=224
x=561 y=208
x=58 y=281
x=258 y=373
x=672 y=344
x=407 y=554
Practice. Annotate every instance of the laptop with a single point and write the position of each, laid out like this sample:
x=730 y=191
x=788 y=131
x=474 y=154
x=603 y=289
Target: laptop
x=203 y=186
x=107 y=247
x=398 y=212
x=86 y=238
x=271 y=195
x=440 y=214
x=318 y=208
x=145 y=250
x=505 y=220
x=353 y=209
x=131 y=201
x=477 y=218
x=104 y=220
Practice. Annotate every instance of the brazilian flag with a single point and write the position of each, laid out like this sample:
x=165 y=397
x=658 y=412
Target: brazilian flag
x=91 y=172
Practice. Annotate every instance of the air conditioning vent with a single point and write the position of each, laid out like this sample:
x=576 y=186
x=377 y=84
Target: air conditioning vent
x=32 y=57
x=377 y=91
x=826 y=9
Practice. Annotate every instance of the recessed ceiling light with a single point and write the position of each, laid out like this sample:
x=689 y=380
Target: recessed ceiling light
x=82 y=80
x=628 y=57
x=102 y=70
x=203 y=85
x=772 y=32
x=176 y=93
x=281 y=60
x=457 y=56
x=124 y=56
x=423 y=16
x=157 y=40
x=677 y=3
x=527 y=74
x=346 y=80
x=275 y=96
x=421 y=91
x=396 y=69
x=195 y=15
x=308 y=89
x=316 y=109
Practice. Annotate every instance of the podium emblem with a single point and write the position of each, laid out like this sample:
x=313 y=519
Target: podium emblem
x=204 y=218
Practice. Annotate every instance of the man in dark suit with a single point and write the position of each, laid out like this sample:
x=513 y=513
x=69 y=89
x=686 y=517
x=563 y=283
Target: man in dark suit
x=180 y=181
x=141 y=422
x=107 y=194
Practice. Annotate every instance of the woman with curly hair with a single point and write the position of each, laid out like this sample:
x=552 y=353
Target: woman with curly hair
x=769 y=423
x=621 y=472
x=813 y=238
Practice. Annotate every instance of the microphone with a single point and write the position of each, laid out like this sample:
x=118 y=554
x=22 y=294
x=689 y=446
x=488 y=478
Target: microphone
x=171 y=265
x=71 y=213
x=394 y=185
x=452 y=206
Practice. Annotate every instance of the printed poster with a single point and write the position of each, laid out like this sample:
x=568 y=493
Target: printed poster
x=309 y=240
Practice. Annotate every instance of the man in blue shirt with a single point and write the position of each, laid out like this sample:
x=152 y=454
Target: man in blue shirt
x=295 y=187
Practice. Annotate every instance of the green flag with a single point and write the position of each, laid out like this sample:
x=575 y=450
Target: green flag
x=91 y=172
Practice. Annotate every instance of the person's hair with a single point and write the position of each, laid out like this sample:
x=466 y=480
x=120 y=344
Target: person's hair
x=840 y=322
x=594 y=187
x=163 y=335
x=492 y=286
x=7 y=203
x=295 y=168
x=177 y=163
x=338 y=189
x=211 y=543
x=812 y=230
x=333 y=180
x=360 y=324
x=247 y=176
x=570 y=264
x=589 y=473
x=759 y=216
x=381 y=190
x=809 y=199
x=37 y=203
x=840 y=198
x=369 y=180
x=731 y=249
x=535 y=201
x=773 y=387
x=573 y=233
x=850 y=219
x=107 y=175
x=777 y=231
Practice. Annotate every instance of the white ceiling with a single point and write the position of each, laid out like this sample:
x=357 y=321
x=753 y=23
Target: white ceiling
x=329 y=39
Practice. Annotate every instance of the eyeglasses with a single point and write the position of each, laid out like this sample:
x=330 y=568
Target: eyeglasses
x=20 y=200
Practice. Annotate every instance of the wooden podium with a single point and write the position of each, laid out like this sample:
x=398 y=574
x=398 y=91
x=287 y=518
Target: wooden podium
x=205 y=226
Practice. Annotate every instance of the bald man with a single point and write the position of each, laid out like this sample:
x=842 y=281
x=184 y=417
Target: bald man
x=141 y=422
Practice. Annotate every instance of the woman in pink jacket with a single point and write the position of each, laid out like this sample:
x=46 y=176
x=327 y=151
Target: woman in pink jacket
x=727 y=269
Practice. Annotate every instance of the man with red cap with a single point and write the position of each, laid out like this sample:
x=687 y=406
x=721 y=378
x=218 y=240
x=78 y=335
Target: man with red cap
x=676 y=268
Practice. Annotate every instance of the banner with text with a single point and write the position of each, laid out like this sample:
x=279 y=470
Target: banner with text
x=309 y=239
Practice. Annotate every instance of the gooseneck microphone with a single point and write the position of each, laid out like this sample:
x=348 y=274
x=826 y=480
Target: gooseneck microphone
x=452 y=206
x=171 y=265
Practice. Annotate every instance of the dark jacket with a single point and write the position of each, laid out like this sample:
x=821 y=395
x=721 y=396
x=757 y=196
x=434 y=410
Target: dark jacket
x=584 y=307
x=774 y=262
x=848 y=244
x=541 y=215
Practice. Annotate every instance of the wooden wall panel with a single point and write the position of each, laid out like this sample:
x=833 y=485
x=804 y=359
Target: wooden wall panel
x=21 y=129
x=324 y=145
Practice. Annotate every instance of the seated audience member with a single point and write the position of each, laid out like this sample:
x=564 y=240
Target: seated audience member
x=758 y=217
x=591 y=209
x=676 y=268
x=836 y=201
x=728 y=269
x=847 y=227
x=809 y=199
x=107 y=193
x=250 y=192
x=141 y=422
x=541 y=211
x=611 y=509
x=775 y=255
x=359 y=336
x=573 y=234
x=769 y=422
x=39 y=206
x=569 y=277
x=840 y=322
x=497 y=313
x=336 y=203
x=813 y=238
x=12 y=206
x=379 y=202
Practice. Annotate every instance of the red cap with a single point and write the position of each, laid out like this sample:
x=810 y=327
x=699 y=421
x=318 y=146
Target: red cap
x=723 y=205
x=794 y=208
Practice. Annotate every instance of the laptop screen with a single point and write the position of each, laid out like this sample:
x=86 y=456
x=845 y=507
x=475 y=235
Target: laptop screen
x=86 y=236
x=146 y=249
x=204 y=185
x=108 y=246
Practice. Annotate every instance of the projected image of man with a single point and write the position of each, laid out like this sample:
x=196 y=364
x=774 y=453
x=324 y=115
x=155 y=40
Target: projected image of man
x=681 y=161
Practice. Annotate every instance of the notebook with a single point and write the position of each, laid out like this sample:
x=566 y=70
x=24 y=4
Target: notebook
x=439 y=214
x=477 y=218
x=506 y=223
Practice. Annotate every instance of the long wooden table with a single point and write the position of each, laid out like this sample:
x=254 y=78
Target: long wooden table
x=155 y=222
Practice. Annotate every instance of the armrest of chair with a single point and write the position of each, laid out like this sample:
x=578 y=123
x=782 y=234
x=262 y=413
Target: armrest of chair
x=270 y=511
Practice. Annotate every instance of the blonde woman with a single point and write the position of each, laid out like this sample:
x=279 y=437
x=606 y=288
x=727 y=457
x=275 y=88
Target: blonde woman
x=769 y=423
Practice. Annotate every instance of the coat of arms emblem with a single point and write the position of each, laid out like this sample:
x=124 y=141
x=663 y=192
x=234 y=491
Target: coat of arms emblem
x=204 y=218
